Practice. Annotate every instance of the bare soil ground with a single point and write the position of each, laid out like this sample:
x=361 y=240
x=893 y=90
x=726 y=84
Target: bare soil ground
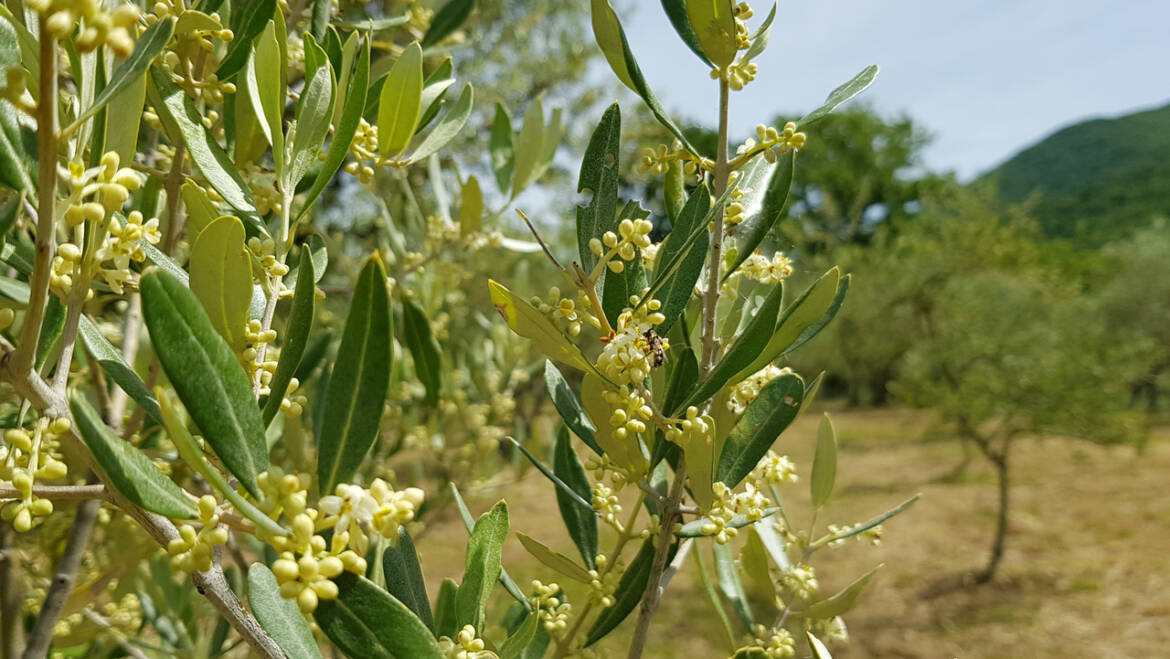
x=1086 y=572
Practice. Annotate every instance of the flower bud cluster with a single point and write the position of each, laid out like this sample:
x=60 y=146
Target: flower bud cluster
x=734 y=213
x=193 y=550
x=97 y=26
x=658 y=159
x=293 y=404
x=549 y=605
x=739 y=74
x=25 y=457
x=746 y=391
x=562 y=311
x=750 y=503
x=466 y=645
x=603 y=586
x=872 y=535
x=832 y=630
x=605 y=503
x=634 y=349
x=191 y=54
x=632 y=235
x=257 y=363
x=630 y=413
x=691 y=427
x=776 y=643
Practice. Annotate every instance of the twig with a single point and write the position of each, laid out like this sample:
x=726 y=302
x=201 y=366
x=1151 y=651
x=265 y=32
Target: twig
x=130 y=331
x=11 y=596
x=715 y=256
x=99 y=620
x=22 y=359
x=57 y=492
x=653 y=595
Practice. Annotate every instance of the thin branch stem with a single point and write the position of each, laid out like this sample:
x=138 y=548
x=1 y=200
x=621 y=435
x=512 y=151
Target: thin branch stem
x=22 y=360
x=57 y=492
x=11 y=595
x=41 y=636
x=654 y=586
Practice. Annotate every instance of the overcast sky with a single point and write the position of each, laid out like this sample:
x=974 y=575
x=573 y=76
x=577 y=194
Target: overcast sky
x=985 y=77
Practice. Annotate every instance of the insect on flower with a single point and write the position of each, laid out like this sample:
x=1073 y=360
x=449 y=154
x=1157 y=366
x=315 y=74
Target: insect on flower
x=654 y=347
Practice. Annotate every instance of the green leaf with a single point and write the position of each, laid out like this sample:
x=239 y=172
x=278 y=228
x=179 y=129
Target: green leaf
x=515 y=645
x=482 y=566
x=470 y=207
x=528 y=322
x=554 y=560
x=568 y=405
x=247 y=23
x=701 y=455
x=346 y=128
x=772 y=208
x=751 y=341
x=730 y=585
x=674 y=192
x=763 y=420
x=446 y=130
x=17 y=150
x=423 y=349
x=599 y=180
x=676 y=289
x=500 y=146
x=296 y=335
x=130 y=471
x=215 y=165
x=164 y=262
x=110 y=359
x=435 y=87
x=773 y=543
x=608 y=32
x=221 y=277
x=361 y=377
x=552 y=477
x=818 y=648
x=280 y=617
x=404 y=579
x=192 y=454
x=676 y=11
x=200 y=211
x=366 y=621
x=629 y=592
x=841 y=95
x=123 y=118
x=264 y=79
x=399 y=104
x=824 y=470
x=148 y=46
x=529 y=147
x=849 y=532
x=445 y=609
x=803 y=319
x=506 y=581
x=841 y=602
x=580 y=521
x=714 y=24
x=207 y=376
x=312 y=124
x=447 y=20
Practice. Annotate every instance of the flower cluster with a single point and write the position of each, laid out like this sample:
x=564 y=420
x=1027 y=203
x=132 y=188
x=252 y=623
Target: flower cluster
x=353 y=510
x=658 y=160
x=774 y=470
x=190 y=56
x=746 y=391
x=765 y=270
x=800 y=580
x=562 y=311
x=871 y=535
x=465 y=645
x=634 y=349
x=98 y=26
x=773 y=143
x=550 y=606
x=776 y=643
x=258 y=362
x=739 y=74
x=25 y=457
x=750 y=503
x=193 y=550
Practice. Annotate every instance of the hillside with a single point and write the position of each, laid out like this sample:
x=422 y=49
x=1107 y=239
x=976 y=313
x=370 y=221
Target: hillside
x=1096 y=180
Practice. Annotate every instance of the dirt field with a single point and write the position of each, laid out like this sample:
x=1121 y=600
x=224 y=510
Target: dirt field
x=1086 y=572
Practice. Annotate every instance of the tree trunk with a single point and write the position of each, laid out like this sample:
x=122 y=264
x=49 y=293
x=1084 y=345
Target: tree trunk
x=1001 y=471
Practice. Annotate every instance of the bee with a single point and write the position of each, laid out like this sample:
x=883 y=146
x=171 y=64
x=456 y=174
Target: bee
x=654 y=347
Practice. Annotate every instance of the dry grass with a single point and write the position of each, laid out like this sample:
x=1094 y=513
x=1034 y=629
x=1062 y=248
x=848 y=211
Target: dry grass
x=1086 y=573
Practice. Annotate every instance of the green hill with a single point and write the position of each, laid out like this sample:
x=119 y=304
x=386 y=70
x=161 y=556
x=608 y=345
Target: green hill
x=1097 y=180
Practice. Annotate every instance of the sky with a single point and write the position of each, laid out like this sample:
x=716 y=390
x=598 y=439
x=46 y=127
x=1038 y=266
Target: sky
x=985 y=78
